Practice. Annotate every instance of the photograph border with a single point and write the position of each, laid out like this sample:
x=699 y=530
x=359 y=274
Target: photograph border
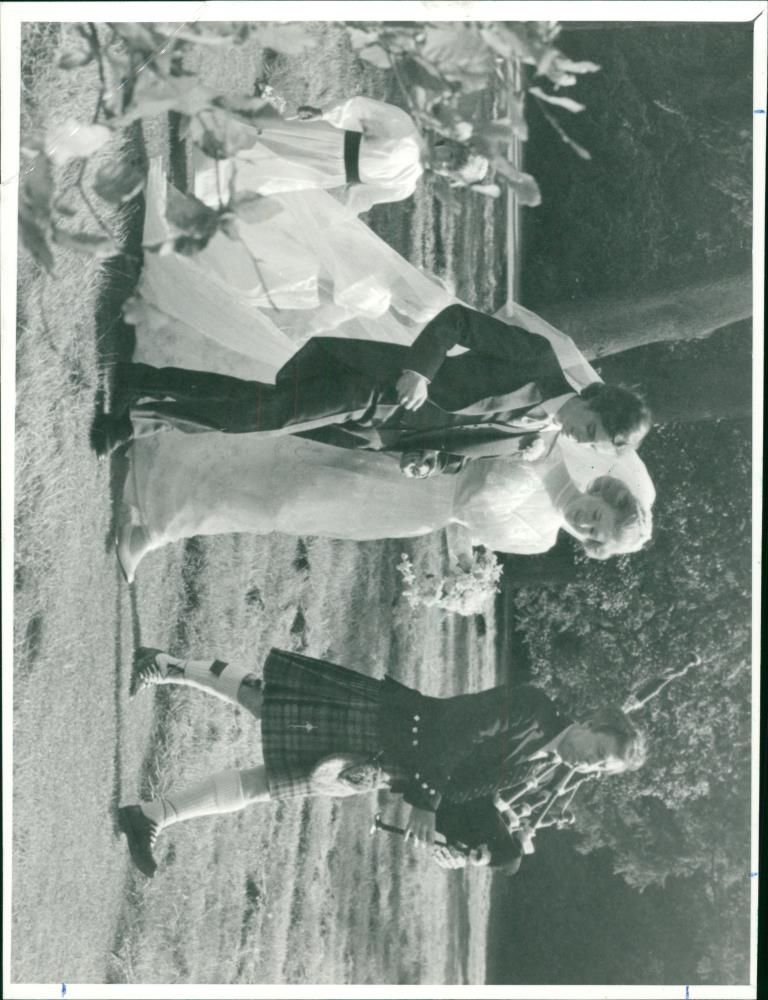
x=12 y=15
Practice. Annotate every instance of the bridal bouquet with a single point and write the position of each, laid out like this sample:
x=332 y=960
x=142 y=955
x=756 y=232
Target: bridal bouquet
x=462 y=591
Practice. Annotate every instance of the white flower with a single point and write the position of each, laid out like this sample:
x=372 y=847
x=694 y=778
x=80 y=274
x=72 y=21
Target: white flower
x=463 y=592
x=535 y=450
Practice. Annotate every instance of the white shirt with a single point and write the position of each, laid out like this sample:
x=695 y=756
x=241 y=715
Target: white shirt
x=391 y=151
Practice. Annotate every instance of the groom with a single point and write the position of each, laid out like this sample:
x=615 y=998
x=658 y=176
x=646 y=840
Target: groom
x=407 y=400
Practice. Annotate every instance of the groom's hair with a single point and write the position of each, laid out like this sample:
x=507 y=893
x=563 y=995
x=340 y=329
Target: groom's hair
x=625 y=416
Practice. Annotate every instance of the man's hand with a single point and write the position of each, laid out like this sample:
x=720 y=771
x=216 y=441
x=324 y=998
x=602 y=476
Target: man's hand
x=480 y=857
x=307 y=113
x=526 y=836
x=421 y=827
x=412 y=390
x=419 y=464
x=449 y=857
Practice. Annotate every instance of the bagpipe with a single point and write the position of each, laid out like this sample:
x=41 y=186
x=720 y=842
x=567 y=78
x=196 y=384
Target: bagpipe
x=525 y=807
x=538 y=800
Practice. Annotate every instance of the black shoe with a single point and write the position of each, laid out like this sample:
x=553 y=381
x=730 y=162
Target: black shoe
x=145 y=670
x=140 y=833
x=109 y=432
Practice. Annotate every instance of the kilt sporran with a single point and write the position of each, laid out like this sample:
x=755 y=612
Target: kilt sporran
x=320 y=727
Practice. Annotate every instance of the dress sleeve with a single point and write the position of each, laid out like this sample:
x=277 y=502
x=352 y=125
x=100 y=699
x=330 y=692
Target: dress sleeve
x=508 y=508
x=360 y=198
x=374 y=118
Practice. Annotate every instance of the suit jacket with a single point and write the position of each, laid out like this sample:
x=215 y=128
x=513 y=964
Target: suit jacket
x=466 y=747
x=478 y=401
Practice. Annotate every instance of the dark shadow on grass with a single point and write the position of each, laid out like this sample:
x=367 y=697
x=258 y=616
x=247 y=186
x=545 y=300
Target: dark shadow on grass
x=116 y=342
x=118 y=472
x=114 y=337
x=177 y=155
x=131 y=914
x=117 y=754
x=117 y=769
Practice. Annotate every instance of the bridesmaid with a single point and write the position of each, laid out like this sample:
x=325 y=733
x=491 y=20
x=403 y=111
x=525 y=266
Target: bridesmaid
x=368 y=151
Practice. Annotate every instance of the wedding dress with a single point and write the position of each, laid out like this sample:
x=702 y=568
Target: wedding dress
x=205 y=484
x=216 y=312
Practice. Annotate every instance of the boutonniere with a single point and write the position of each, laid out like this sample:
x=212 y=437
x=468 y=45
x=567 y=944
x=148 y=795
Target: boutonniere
x=533 y=447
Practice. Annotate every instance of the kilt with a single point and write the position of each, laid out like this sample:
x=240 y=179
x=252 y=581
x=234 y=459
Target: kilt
x=311 y=710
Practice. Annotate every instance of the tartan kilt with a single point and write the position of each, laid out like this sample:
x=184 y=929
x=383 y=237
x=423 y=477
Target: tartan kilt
x=311 y=710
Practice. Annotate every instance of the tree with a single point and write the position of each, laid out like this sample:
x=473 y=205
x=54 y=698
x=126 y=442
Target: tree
x=603 y=326
x=709 y=379
x=594 y=638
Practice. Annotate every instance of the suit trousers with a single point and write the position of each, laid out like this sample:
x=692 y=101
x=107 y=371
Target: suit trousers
x=194 y=400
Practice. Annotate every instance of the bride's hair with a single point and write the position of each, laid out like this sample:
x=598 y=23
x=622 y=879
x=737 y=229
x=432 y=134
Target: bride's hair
x=633 y=523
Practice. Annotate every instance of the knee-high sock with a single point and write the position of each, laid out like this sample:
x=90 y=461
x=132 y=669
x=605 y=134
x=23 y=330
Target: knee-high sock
x=219 y=793
x=214 y=676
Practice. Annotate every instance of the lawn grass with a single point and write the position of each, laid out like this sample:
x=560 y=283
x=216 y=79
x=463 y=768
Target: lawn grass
x=296 y=893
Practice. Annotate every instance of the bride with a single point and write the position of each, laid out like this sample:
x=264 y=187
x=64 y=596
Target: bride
x=321 y=270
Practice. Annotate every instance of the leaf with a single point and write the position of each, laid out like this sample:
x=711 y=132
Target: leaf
x=376 y=56
x=92 y=244
x=516 y=117
x=152 y=96
x=508 y=43
x=65 y=208
x=248 y=108
x=358 y=38
x=445 y=194
x=417 y=72
x=500 y=133
x=74 y=140
x=190 y=216
x=228 y=226
x=526 y=190
x=71 y=60
x=33 y=238
x=188 y=246
x=489 y=190
x=579 y=150
x=568 y=66
x=220 y=134
x=562 y=102
x=163 y=248
x=401 y=40
x=253 y=207
x=37 y=189
x=119 y=182
x=459 y=54
x=138 y=37
x=525 y=187
x=187 y=213
x=561 y=79
x=214 y=33
x=288 y=39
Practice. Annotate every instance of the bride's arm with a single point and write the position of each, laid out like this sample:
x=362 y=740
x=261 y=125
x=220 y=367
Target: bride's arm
x=460 y=545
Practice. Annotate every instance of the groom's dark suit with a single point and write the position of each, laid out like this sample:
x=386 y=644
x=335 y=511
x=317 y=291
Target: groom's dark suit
x=343 y=391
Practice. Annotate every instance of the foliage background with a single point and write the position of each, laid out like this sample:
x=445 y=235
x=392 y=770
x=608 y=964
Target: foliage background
x=664 y=202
